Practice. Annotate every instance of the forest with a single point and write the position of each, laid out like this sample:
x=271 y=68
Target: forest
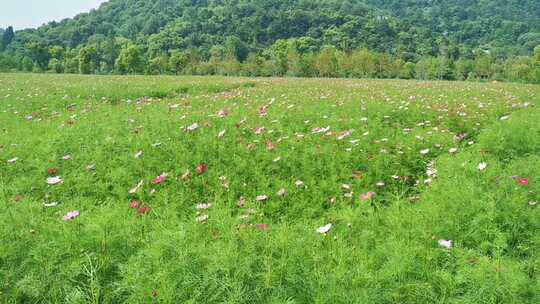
x=411 y=39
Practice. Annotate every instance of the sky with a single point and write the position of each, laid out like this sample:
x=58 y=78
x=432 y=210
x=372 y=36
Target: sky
x=23 y=14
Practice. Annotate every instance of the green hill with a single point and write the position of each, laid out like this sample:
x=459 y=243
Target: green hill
x=409 y=30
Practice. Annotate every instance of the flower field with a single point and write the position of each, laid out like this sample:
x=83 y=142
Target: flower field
x=250 y=190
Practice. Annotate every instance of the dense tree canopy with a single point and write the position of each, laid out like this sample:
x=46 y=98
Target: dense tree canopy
x=452 y=39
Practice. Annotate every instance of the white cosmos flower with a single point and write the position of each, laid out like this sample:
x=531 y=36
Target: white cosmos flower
x=324 y=229
x=193 y=127
x=482 y=166
x=445 y=243
x=54 y=180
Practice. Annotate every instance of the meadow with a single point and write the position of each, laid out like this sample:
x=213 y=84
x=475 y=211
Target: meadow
x=141 y=189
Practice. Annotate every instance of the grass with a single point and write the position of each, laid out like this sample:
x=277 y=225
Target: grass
x=379 y=250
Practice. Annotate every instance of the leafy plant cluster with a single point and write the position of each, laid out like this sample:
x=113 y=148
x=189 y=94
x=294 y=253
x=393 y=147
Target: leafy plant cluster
x=457 y=39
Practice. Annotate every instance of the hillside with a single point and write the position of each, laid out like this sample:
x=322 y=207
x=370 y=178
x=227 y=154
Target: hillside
x=233 y=29
x=413 y=25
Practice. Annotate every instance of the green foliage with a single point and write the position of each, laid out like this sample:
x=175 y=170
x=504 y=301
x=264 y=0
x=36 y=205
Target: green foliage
x=129 y=61
x=56 y=66
x=7 y=37
x=446 y=40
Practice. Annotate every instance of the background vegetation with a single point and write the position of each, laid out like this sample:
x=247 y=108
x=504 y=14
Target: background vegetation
x=454 y=39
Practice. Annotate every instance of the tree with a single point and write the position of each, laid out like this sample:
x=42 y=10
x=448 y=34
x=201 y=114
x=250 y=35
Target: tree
x=177 y=61
x=39 y=54
x=129 y=61
x=407 y=71
x=536 y=66
x=234 y=47
x=364 y=63
x=57 y=52
x=327 y=62
x=158 y=65
x=88 y=59
x=463 y=67
x=482 y=65
x=27 y=64
x=252 y=65
x=7 y=38
x=56 y=66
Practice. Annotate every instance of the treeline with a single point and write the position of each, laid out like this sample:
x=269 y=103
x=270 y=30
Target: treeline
x=296 y=57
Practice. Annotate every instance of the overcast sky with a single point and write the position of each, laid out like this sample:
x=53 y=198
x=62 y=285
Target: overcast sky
x=23 y=14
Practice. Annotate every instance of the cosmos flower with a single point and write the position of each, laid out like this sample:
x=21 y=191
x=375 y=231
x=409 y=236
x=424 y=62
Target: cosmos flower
x=261 y=198
x=55 y=180
x=201 y=168
x=193 y=127
x=324 y=229
x=202 y=218
x=136 y=188
x=134 y=204
x=258 y=130
x=203 y=206
x=269 y=145
x=482 y=166
x=445 y=243
x=367 y=196
x=160 y=179
x=71 y=215
x=143 y=210
x=523 y=181
x=344 y=135
x=261 y=227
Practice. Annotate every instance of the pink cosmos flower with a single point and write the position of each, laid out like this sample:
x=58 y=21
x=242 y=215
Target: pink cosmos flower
x=367 y=196
x=71 y=215
x=261 y=227
x=201 y=168
x=523 y=181
x=344 y=135
x=258 y=130
x=160 y=179
x=143 y=210
x=269 y=145
x=134 y=204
